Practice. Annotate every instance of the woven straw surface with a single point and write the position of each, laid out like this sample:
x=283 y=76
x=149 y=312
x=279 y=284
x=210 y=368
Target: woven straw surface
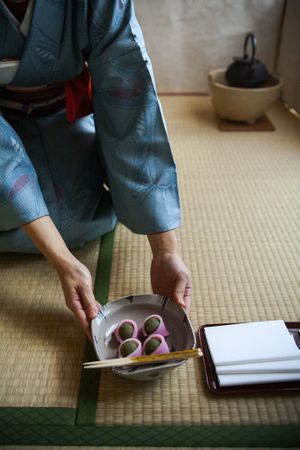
x=240 y=239
x=41 y=344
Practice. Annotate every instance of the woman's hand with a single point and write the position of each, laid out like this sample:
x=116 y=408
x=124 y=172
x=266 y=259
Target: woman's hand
x=171 y=278
x=169 y=275
x=76 y=282
x=75 y=277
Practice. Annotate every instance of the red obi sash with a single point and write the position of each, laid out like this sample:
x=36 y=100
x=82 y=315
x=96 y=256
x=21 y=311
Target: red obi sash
x=79 y=96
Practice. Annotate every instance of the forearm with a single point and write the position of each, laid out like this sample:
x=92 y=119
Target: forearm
x=163 y=242
x=75 y=277
x=47 y=238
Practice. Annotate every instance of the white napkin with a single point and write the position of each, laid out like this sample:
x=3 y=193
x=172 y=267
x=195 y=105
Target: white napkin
x=291 y=365
x=232 y=380
x=246 y=343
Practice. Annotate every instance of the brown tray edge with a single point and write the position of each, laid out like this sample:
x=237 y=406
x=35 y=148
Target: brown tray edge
x=211 y=377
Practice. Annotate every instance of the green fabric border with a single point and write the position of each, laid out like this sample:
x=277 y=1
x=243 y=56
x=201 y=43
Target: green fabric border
x=192 y=436
x=90 y=379
x=103 y=270
x=37 y=415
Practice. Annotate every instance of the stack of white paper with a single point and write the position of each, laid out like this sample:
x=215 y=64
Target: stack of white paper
x=256 y=352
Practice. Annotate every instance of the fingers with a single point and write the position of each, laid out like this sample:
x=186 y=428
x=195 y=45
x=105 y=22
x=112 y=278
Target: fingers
x=84 y=307
x=88 y=301
x=77 y=286
x=84 y=320
x=187 y=298
x=98 y=306
x=183 y=291
x=179 y=291
x=181 y=295
x=81 y=316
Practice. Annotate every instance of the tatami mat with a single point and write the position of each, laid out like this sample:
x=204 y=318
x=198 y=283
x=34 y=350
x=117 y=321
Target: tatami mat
x=41 y=344
x=240 y=239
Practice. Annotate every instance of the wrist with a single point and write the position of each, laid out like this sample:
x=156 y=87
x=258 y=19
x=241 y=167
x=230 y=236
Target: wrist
x=161 y=243
x=48 y=240
x=62 y=260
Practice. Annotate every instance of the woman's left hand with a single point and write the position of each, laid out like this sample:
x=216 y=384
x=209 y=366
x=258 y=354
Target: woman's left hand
x=171 y=278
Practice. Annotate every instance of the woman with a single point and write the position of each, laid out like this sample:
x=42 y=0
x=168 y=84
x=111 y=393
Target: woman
x=62 y=182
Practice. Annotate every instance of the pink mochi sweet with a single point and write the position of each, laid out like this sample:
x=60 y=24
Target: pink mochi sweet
x=126 y=329
x=150 y=345
x=154 y=324
x=130 y=347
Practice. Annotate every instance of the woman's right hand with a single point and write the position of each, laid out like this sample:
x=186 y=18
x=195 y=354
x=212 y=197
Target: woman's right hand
x=75 y=278
x=76 y=282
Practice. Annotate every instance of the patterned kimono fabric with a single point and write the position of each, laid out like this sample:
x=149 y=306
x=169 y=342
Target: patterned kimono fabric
x=115 y=163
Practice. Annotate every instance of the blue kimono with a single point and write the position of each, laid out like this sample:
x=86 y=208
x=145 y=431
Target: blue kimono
x=48 y=166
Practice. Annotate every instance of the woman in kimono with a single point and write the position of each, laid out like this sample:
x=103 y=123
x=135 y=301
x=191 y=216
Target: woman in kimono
x=66 y=182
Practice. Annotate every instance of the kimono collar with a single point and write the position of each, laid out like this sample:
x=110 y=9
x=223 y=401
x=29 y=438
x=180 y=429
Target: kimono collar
x=11 y=38
x=16 y=38
x=25 y=24
x=52 y=51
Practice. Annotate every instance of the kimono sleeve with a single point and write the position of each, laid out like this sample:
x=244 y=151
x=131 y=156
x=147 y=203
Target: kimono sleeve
x=130 y=127
x=21 y=200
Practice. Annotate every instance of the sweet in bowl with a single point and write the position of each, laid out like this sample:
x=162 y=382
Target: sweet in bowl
x=137 y=308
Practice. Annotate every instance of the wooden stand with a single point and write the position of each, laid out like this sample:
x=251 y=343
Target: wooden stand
x=263 y=124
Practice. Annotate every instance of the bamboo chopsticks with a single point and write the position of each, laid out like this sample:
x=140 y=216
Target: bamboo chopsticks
x=141 y=360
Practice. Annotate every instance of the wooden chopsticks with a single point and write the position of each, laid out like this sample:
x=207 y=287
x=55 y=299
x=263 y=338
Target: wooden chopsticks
x=141 y=360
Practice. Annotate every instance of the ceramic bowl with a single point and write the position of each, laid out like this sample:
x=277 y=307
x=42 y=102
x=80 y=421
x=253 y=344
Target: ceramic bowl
x=242 y=104
x=137 y=308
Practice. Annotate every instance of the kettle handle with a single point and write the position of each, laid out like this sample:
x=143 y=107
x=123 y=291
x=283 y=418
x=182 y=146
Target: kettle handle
x=252 y=37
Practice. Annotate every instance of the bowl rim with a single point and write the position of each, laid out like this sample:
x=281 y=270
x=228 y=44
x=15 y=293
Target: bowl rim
x=144 y=368
x=211 y=73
